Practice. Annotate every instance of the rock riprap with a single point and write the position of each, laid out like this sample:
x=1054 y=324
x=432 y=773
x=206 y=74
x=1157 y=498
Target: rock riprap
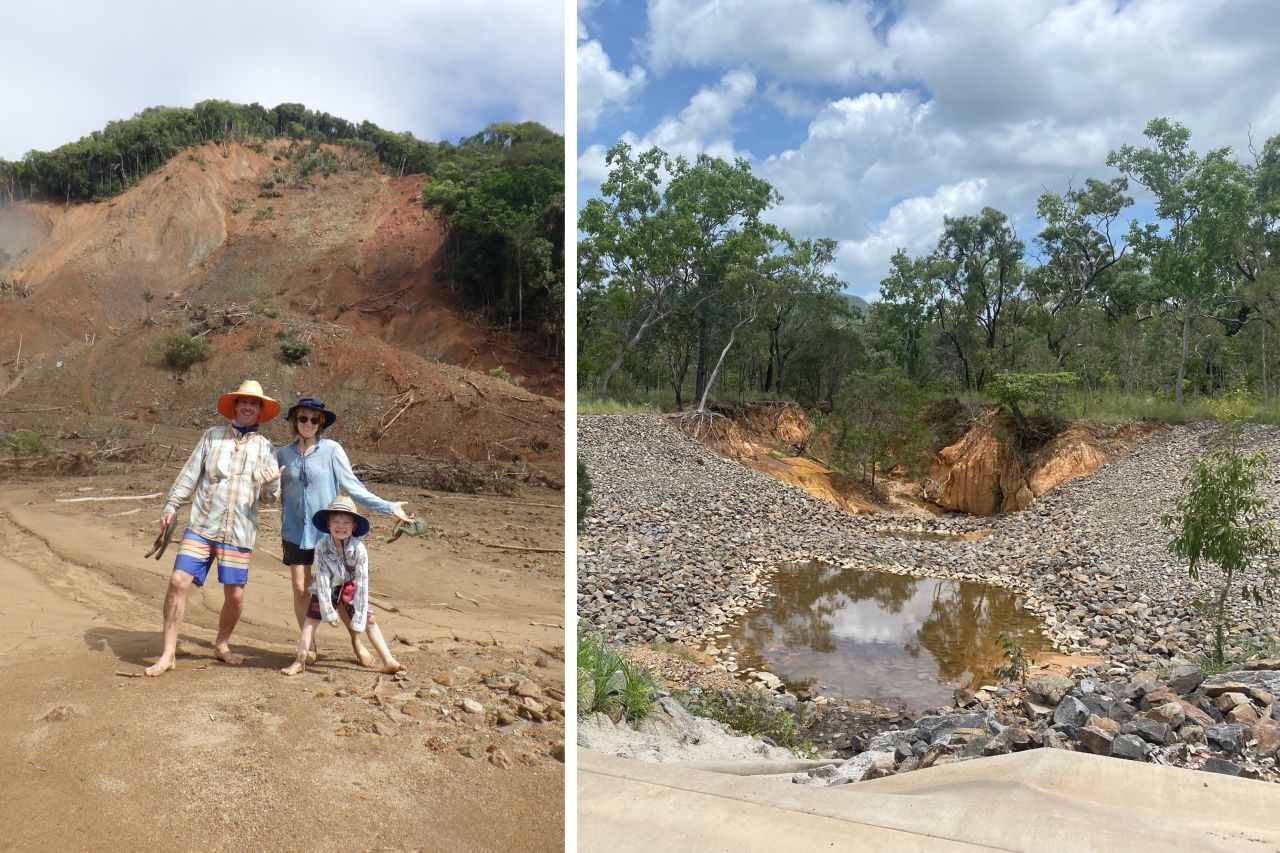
x=681 y=541
x=1178 y=721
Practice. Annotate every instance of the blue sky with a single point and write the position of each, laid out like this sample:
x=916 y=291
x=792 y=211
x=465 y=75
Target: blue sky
x=874 y=120
x=438 y=70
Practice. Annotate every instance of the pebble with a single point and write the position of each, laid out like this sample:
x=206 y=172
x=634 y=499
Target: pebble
x=680 y=542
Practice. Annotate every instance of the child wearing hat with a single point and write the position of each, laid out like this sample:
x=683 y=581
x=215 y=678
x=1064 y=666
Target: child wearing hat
x=341 y=585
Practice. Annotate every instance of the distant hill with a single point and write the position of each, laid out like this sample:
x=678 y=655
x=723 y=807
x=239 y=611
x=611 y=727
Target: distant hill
x=862 y=305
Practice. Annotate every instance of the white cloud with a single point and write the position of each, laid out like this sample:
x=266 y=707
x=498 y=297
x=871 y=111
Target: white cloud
x=592 y=169
x=600 y=87
x=914 y=224
x=860 y=152
x=706 y=125
x=438 y=70
x=1208 y=63
x=800 y=40
x=790 y=102
x=950 y=105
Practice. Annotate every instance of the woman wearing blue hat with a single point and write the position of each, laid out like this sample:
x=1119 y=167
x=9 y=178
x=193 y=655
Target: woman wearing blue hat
x=316 y=469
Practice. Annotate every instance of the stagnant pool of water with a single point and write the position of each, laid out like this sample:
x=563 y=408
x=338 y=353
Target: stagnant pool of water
x=847 y=633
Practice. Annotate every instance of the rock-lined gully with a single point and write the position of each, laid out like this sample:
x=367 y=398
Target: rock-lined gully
x=680 y=541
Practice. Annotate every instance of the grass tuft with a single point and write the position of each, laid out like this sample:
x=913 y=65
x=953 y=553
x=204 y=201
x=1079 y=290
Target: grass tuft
x=610 y=684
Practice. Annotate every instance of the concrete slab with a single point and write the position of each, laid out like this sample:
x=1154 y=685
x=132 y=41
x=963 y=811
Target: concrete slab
x=1040 y=800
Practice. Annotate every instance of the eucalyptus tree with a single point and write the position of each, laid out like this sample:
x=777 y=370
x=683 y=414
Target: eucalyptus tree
x=907 y=296
x=1202 y=202
x=1260 y=247
x=1221 y=521
x=811 y=293
x=718 y=207
x=627 y=254
x=1081 y=254
x=980 y=281
x=665 y=237
x=753 y=276
x=830 y=349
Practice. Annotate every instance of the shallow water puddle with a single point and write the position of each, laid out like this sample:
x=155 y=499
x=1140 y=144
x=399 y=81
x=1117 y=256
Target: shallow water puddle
x=847 y=633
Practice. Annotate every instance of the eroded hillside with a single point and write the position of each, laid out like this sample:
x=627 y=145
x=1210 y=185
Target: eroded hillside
x=216 y=245
x=977 y=471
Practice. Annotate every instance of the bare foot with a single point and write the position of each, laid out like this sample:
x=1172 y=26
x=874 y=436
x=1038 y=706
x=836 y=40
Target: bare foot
x=224 y=654
x=362 y=655
x=394 y=666
x=312 y=656
x=294 y=668
x=160 y=667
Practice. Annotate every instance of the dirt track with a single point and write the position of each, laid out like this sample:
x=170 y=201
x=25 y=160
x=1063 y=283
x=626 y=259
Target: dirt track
x=221 y=757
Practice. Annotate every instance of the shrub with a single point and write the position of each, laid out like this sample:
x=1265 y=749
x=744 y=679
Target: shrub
x=24 y=443
x=181 y=351
x=500 y=372
x=1016 y=664
x=752 y=713
x=1221 y=521
x=1019 y=391
x=294 y=351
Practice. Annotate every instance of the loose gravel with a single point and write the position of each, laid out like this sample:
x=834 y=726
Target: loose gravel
x=680 y=542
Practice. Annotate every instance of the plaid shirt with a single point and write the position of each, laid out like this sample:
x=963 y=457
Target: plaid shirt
x=225 y=474
x=334 y=568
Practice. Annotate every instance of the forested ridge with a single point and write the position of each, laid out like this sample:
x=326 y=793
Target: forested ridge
x=502 y=189
x=686 y=291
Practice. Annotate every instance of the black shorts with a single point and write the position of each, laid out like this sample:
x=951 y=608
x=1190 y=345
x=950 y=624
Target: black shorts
x=295 y=556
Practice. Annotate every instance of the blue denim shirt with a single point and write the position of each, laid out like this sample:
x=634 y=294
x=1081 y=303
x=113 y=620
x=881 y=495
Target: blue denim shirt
x=309 y=483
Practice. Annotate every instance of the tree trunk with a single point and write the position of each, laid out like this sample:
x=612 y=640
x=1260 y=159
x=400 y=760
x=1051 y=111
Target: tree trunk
x=700 y=375
x=702 y=402
x=1182 y=361
x=1266 y=406
x=519 y=291
x=679 y=368
x=622 y=354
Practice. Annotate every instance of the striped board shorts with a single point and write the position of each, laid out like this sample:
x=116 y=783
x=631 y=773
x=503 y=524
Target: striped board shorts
x=197 y=554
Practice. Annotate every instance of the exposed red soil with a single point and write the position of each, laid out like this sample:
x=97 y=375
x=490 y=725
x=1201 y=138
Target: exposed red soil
x=977 y=474
x=351 y=265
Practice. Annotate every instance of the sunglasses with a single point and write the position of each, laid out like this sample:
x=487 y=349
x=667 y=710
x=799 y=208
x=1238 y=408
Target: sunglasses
x=310 y=419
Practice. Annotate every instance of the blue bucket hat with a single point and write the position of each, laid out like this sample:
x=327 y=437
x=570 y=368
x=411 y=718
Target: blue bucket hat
x=313 y=403
x=341 y=503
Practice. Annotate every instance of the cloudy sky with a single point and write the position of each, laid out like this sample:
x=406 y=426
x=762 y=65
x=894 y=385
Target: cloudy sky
x=441 y=70
x=876 y=119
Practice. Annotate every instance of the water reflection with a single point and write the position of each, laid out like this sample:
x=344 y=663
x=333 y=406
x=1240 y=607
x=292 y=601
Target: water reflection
x=876 y=635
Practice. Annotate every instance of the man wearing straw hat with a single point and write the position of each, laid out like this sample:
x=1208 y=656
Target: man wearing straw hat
x=224 y=478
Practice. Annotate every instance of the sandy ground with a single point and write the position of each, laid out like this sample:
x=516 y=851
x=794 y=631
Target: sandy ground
x=94 y=756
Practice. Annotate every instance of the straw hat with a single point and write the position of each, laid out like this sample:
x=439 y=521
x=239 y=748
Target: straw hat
x=248 y=388
x=341 y=503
